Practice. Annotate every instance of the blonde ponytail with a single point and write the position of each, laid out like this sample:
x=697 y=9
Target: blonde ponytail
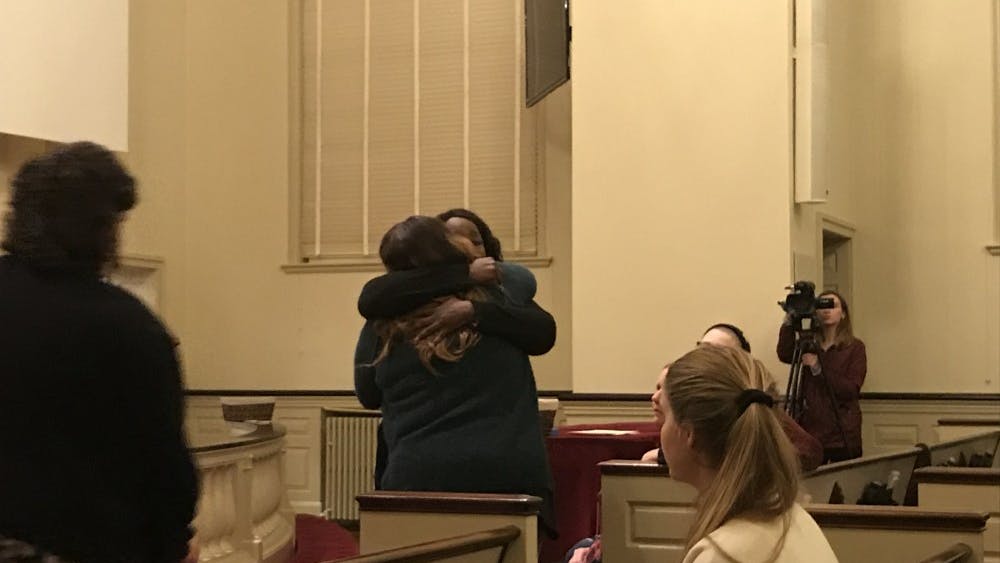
x=757 y=471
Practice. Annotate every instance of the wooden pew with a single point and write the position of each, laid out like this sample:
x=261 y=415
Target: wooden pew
x=964 y=488
x=852 y=476
x=489 y=546
x=397 y=519
x=645 y=517
x=963 y=448
x=889 y=534
x=952 y=428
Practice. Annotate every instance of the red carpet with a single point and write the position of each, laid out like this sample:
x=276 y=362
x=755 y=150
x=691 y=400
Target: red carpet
x=321 y=540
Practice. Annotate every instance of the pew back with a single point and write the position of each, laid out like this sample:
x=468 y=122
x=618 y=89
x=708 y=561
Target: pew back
x=964 y=488
x=645 y=515
x=853 y=475
x=396 y=519
x=645 y=518
x=964 y=447
x=888 y=534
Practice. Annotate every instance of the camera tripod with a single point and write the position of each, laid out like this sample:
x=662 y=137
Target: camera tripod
x=795 y=403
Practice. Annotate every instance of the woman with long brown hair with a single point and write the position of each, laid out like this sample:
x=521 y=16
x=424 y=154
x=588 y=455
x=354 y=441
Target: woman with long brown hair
x=843 y=361
x=722 y=434
x=459 y=405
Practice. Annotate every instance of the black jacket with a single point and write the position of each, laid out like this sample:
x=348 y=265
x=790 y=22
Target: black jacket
x=94 y=464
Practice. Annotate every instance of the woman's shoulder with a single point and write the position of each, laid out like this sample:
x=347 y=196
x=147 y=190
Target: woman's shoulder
x=742 y=539
x=519 y=282
x=856 y=344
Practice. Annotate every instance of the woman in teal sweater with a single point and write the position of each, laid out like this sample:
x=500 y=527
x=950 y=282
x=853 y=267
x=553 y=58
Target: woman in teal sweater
x=459 y=406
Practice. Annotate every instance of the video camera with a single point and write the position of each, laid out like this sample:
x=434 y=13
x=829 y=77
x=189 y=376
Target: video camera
x=801 y=305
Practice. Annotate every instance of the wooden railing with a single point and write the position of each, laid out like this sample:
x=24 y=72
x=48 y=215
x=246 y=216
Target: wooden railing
x=243 y=511
x=958 y=553
x=401 y=519
x=465 y=546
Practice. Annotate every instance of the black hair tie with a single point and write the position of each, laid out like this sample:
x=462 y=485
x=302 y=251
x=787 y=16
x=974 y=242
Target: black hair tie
x=750 y=396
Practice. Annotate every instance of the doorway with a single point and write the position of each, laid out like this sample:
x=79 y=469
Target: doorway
x=837 y=240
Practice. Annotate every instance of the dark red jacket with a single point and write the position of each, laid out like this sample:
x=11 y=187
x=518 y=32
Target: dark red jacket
x=845 y=367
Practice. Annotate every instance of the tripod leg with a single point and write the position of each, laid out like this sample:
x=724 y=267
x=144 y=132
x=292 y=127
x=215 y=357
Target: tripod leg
x=836 y=411
x=793 y=396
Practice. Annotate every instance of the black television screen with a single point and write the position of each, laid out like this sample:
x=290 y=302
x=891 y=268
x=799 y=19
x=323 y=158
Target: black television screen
x=546 y=36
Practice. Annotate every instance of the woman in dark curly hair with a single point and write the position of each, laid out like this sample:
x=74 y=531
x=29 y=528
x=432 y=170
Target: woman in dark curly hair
x=102 y=471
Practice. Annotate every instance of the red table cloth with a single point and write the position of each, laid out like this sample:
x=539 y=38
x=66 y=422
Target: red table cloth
x=573 y=457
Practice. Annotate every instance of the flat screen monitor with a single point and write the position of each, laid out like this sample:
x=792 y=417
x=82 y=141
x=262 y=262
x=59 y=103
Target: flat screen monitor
x=547 y=36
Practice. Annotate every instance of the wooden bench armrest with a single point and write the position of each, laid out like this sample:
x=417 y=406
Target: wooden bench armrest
x=445 y=548
x=450 y=503
x=958 y=475
x=896 y=518
x=958 y=553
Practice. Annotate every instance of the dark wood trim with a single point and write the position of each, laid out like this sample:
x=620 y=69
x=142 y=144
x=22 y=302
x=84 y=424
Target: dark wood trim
x=968 y=422
x=989 y=476
x=633 y=468
x=930 y=397
x=565 y=395
x=958 y=553
x=351 y=413
x=463 y=503
x=896 y=518
x=268 y=393
x=605 y=397
x=263 y=433
x=443 y=549
x=862 y=461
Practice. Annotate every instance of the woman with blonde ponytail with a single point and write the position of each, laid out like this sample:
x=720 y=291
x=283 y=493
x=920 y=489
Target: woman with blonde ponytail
x=722 y=435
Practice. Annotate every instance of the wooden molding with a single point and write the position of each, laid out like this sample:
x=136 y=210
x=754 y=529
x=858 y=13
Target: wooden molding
x=374 y=264
x=351 y=413
x=443 y=549
x=896 y=518
x=141 y=261
x=633 y=468
x=268 y=393
x=879 y=396
x=569 y=396
x=969 y=422
x=989 y=476
x=263 y=434
x=462 y=503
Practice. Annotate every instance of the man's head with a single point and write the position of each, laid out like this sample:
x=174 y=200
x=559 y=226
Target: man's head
x=66 y=207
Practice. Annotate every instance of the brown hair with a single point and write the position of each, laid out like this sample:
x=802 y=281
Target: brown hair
x=65 y=209
x=418 y=242
x=845 y=331
x=757 y=468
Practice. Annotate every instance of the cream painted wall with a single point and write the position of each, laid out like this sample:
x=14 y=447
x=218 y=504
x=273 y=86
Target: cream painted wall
x=248 y=324
x=681 y=181
x=65 y=70
x=680 y=214
x=209 y=144
x=913 y=163
x=14 y=150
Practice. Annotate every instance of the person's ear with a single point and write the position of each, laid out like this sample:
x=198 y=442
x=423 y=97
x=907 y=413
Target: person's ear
x=687 y=431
